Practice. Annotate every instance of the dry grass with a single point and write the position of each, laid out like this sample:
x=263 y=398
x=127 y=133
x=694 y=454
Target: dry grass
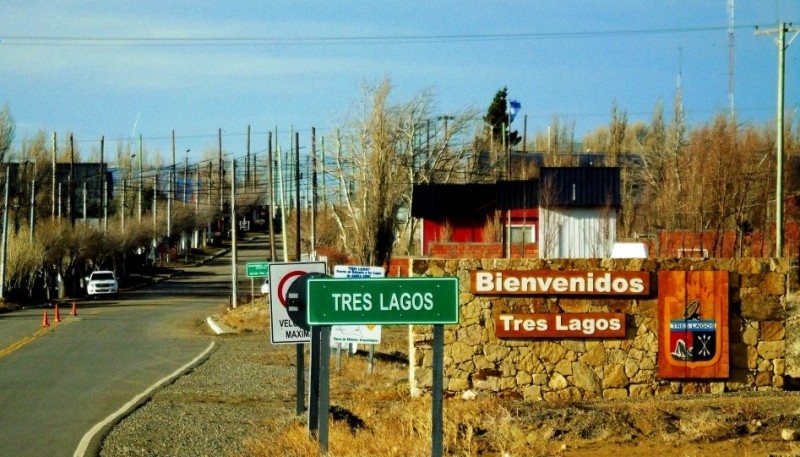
x=373 y=414
x=248 y=318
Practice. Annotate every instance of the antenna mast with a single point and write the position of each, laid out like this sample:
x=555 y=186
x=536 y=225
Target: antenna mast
x=731 y=9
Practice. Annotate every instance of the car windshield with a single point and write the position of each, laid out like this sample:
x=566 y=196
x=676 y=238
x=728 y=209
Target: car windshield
x=102 y=276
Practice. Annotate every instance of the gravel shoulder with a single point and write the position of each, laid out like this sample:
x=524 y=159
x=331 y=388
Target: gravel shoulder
x=245 y=384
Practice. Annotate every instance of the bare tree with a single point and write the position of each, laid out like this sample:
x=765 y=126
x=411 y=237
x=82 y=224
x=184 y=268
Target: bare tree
x=378 y=159
x=551 y=220
x=7 y=128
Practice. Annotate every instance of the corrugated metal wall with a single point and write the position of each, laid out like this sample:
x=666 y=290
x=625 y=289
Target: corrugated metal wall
x=576 y=233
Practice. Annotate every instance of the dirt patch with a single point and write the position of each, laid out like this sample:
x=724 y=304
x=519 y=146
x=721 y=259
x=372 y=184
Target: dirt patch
x=728 y=424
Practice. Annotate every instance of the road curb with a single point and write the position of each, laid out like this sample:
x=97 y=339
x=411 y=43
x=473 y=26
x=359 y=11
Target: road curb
x=218 y=327
x=92 y=441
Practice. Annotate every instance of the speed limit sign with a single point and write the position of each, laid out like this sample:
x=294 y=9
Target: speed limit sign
x=281 y=276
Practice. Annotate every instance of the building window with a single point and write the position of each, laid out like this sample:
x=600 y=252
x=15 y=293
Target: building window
x=523 y=234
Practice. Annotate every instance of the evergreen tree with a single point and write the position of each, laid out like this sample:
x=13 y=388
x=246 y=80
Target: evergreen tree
x=497 y=116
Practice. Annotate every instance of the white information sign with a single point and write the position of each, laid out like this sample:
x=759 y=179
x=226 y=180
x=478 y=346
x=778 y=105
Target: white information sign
x=281 y=276
x=356 y=334
x=357 y=271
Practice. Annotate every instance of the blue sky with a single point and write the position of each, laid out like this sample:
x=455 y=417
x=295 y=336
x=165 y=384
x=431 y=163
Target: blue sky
x=308 y=61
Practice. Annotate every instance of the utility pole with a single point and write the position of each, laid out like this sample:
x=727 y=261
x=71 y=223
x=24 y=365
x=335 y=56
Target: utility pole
x=507 y=219
x=196 y=188
x=313 y=248
x=297 y=193
x=234 y=276
x=124 y=204
x=103 y=184
x=85 y=191
x=171 y=188
x=53 y=189
x=155 y=202
x=270 y=200
x=71 y=186
x=281 y=185
x=254 y=172
x=524 y=133
x=173 y=175
x=4 y=247
x=324 y=180
x=221 y=176
x=782 y=45
x=169 y=213
x=185 y=177
x=210 y=175
x=731 y=54
x=141 y=180
x=247 y=161
x=196 y=196
x=33 y=204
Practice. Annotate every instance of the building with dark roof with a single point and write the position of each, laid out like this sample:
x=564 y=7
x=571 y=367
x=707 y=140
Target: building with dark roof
x=567 y=212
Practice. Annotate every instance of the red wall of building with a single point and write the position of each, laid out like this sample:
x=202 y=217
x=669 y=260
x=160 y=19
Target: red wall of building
x=468 y=230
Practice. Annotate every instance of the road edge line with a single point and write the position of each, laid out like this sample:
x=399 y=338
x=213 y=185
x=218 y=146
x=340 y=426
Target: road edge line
x=214 y=327
x=94 y=437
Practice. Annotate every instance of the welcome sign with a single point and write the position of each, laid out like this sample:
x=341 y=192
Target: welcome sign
x=569 y=325
x=550 y=282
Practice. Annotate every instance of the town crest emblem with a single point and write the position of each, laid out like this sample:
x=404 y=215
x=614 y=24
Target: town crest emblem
x=693 y=324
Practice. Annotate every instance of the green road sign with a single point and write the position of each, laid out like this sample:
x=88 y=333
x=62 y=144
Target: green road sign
x=255 y=269
x=382 y=301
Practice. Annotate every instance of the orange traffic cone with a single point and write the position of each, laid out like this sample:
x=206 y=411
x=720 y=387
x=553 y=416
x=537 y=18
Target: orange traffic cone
x=74 y=311
x=45 y=323
x=57 y=315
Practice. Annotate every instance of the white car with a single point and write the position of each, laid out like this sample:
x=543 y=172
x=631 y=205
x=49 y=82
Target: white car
x=102 y=283
x=265 y=286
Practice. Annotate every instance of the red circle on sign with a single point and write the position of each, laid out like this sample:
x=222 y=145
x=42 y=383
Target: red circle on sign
x=291 y=275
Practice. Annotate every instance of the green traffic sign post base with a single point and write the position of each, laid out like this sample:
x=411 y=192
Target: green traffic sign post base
x=300 y=385
x=437 y=392
x=319 y=389
x=314 y=381
x=324 y=386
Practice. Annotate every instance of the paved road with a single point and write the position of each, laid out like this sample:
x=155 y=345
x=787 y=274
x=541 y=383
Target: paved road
x=57 y=383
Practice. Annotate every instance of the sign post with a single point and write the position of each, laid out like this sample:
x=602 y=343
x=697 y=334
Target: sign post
x=427 y=301
x=437 y=400
x=283 y=330
x=253 y=270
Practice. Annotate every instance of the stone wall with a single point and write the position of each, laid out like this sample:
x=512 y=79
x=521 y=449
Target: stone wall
x=763 y=317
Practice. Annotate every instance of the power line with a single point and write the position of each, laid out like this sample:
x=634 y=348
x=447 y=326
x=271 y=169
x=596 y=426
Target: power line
x=65 y=40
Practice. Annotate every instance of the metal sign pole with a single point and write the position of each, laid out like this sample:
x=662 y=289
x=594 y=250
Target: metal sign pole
x=313 y=380
x=301 y=373
x=324 y=386
x=371 y=359
x=438 y=395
